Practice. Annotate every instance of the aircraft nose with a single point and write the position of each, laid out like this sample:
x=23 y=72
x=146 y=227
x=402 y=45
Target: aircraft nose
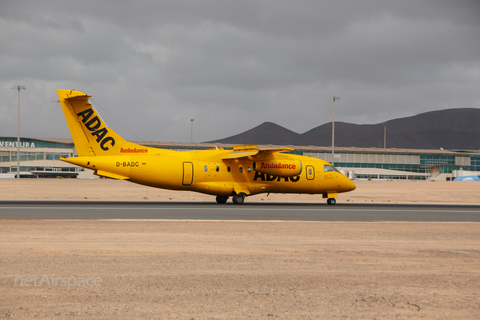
x=352 y=185
x=348 y=184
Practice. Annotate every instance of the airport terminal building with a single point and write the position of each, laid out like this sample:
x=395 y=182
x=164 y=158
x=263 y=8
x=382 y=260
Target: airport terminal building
x=39 y=158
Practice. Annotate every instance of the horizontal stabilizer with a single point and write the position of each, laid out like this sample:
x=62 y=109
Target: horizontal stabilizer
x=110 y=175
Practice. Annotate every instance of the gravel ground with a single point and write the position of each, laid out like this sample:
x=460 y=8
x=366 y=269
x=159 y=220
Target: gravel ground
x=238 y=270
x=232 y=270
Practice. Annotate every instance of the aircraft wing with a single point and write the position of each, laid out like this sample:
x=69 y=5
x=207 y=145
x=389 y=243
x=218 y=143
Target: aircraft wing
x=240 y=155
x=253 y=152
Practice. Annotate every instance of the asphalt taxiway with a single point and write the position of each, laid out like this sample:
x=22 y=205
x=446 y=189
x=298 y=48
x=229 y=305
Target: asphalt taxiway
x=68 y=210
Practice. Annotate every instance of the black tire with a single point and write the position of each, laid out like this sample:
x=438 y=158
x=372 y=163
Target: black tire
x=222 y=199
x=331 y=201
x=238 y=198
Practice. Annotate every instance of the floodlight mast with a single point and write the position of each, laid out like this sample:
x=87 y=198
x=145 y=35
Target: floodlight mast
x=191 y=131
x=18 y=87
x=333 y=128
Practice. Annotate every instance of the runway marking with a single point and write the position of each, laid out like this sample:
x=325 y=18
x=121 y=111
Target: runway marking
x=247 y=221
x=243 y=209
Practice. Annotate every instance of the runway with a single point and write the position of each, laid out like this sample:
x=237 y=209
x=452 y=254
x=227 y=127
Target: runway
x=67 y=210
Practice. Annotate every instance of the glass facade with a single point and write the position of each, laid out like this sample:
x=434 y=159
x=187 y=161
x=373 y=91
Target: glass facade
x=389 y=177
x=448 y=169
x=31 y=156
x=28 y=156
x=32 y=151
x=56 y=156
x=10 y=142
x=474 y=164
x=297 y=152
x=437 y=159
x=4 y=156
x=389 y=166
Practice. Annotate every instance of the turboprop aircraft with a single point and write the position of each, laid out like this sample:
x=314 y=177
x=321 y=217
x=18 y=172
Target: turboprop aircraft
x=243 y=171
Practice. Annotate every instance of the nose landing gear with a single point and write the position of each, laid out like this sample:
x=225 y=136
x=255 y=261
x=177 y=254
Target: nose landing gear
x=331 y=201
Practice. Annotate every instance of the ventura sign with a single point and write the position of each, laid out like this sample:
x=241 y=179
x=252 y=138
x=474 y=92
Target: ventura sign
x=13 y=144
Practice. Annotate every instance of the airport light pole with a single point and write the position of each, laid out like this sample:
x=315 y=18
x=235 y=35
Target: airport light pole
x=18 y=87
x=191 y=131
x=333 y=128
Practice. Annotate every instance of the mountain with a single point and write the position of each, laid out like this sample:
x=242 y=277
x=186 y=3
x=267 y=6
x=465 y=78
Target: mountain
x=266 y=133
x=449 y=129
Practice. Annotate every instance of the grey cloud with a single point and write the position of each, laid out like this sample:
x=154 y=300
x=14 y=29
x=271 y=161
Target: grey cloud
x=232 y=65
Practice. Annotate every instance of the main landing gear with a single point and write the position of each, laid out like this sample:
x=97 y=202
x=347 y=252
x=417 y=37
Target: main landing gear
x=222 y=199
x=236 y=198
x=240 y=198
x=331 y=201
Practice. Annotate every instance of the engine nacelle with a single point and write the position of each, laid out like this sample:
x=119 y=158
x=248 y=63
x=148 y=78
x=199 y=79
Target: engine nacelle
x=279 y=168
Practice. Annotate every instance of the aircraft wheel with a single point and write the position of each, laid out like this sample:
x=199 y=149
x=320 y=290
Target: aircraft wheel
x=331 y=201
x=238 y=198
x=222 y=199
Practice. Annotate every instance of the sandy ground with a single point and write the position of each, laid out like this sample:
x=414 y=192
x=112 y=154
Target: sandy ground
x=232 y=270
x=114 y=190
x=238 y=270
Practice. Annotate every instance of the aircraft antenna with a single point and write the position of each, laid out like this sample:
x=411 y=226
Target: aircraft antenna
x=97 y=104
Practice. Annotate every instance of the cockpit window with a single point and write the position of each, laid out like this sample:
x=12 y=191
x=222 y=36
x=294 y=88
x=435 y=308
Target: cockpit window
x=329 y=168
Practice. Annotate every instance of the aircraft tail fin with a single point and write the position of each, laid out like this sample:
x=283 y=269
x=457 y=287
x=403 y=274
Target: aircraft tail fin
x=90 y=134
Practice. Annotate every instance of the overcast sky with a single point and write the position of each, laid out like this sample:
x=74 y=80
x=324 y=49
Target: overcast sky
x=232 y=65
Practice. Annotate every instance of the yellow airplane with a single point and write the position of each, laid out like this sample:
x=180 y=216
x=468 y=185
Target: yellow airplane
x=244 y=171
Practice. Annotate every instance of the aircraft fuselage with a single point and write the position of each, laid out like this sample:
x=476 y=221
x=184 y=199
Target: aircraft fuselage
x=243 y=171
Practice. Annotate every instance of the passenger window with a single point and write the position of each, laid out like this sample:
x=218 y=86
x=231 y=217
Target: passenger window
x=205 y=168
x=241 y=169
x=228 y=169
x=217 y=169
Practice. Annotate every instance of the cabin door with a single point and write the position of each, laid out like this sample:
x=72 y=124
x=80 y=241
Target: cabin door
x=187 y=173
